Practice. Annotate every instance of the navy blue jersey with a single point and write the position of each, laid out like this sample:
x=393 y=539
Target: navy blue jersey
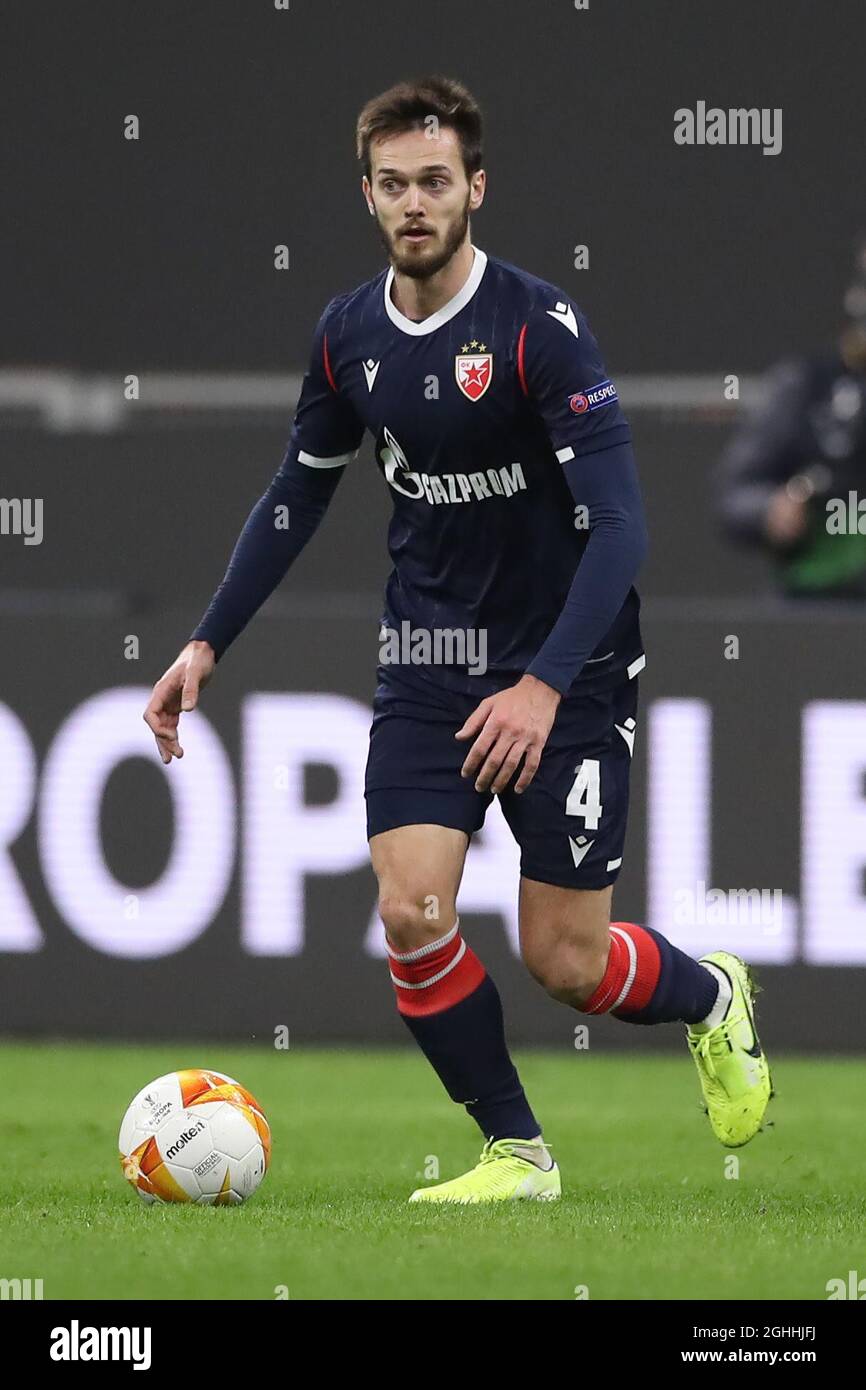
x=473 y=410
x=517 y=525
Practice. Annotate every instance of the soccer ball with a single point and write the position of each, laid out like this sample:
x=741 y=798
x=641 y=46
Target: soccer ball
x=195 y=1136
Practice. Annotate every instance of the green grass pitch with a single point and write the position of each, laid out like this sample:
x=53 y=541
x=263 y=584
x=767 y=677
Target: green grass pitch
x=647 y=1211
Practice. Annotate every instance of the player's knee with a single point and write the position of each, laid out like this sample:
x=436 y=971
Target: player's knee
x=408 y=921
x=569 y=973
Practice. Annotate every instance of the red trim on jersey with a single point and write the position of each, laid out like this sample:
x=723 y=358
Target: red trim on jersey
x=520 y=367
x=327 y=362
x=645 y=963
x=415 y=997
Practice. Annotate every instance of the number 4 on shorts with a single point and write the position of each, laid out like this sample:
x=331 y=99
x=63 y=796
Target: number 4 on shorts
x=584 y=799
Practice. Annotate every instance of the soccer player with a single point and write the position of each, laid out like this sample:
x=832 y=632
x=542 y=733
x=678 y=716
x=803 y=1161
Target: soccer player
x=516 y=536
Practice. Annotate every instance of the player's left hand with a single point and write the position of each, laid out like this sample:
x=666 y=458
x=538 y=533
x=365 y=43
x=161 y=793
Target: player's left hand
x=511 y=725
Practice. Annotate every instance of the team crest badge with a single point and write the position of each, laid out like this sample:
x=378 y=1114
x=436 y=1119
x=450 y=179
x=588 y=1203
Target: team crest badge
x=473 y=368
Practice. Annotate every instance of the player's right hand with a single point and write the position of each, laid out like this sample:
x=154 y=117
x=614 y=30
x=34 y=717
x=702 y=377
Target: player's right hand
x=178 y=690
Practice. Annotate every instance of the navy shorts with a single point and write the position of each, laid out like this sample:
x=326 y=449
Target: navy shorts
x=570 y=821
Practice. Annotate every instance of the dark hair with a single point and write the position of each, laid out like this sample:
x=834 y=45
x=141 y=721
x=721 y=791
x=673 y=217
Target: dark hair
x=408 y=105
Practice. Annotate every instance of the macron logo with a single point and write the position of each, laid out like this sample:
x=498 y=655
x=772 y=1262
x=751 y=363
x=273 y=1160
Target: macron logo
x=628 y=732
x=580 y=848
x=564 y=314
x=371 y=369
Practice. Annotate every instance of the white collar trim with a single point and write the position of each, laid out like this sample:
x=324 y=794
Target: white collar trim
x=434 y=321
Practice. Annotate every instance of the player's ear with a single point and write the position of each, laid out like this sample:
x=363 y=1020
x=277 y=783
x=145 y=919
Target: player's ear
x=368 y=195
x=478 y=187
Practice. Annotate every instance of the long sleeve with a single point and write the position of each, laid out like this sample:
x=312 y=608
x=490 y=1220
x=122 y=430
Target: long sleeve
x=563 y=375
x=275 y=533
x=326 y=435
x=606 y=484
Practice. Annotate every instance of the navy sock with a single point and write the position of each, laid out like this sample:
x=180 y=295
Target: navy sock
x=452 y=1008
x=649 y=980
x=465 y=1045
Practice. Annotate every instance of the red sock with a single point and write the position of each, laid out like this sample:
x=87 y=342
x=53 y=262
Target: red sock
x=633 y=969
x=435 y=977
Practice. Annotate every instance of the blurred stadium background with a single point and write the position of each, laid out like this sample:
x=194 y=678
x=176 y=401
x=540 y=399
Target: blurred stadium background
x=231 y=895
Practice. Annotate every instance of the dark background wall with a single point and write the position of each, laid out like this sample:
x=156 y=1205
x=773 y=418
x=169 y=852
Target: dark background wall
x=160 y=252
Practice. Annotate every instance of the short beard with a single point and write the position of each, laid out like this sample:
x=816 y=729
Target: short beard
x=423 y=271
